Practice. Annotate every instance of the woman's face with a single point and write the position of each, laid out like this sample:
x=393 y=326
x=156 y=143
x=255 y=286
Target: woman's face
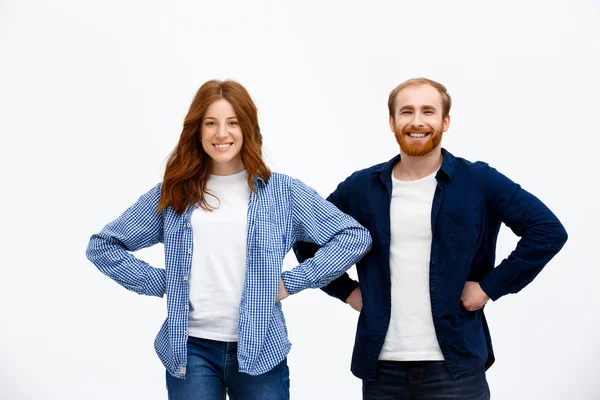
x=222 y=138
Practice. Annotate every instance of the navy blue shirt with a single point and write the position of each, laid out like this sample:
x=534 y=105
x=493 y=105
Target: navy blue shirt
x=471 y=200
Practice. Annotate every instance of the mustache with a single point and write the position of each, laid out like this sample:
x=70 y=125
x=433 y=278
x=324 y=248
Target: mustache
x=407 y=129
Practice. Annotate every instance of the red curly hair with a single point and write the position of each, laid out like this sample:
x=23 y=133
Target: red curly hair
x=187 y=168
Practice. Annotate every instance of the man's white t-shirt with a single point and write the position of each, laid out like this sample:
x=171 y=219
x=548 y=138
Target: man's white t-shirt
x=411 y=333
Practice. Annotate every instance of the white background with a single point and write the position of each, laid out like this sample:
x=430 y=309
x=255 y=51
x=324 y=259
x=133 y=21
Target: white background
x=92 y=99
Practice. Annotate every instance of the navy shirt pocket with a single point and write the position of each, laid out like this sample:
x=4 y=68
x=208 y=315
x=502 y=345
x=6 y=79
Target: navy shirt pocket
x=460 y=227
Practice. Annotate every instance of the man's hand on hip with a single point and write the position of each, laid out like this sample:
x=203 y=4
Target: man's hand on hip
x=355 y=299
x=473 y=297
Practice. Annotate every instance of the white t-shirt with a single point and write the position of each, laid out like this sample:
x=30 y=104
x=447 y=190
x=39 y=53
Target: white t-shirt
x=219 y=259
x=411 y=333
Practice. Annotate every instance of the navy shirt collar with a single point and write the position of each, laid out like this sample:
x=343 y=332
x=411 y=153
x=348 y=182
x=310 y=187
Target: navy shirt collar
x=446 y=170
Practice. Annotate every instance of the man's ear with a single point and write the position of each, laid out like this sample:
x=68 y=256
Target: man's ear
x=446 y=123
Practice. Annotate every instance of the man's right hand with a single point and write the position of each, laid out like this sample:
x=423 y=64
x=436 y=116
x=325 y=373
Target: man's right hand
x=355 y=299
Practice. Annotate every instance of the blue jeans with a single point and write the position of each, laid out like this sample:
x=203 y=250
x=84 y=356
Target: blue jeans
x=424 y=380
x=212 y=370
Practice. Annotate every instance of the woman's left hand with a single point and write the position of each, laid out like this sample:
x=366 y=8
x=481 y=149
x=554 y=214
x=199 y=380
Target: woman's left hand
x=283 y=293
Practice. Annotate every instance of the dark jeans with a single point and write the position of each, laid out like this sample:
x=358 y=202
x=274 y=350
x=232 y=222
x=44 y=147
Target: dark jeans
x=212 y=370
x=424 y=380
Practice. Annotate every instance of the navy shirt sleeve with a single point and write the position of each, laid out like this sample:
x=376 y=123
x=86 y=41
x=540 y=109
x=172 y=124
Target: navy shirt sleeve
x=542 y=234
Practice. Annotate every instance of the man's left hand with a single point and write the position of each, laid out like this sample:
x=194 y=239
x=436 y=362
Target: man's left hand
x=473 y=297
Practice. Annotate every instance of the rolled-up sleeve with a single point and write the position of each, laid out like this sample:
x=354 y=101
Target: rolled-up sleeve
x=342 y=239
x=138 y=227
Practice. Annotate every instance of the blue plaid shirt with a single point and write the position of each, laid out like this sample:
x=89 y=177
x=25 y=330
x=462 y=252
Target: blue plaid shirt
x=282 y=212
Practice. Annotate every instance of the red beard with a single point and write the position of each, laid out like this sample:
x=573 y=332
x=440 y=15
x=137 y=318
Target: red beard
x=415 y=148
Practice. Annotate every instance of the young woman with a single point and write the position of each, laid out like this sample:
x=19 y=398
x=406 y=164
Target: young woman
x=226 y=223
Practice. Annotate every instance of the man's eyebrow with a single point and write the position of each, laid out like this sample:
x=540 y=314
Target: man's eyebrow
x=425 y=107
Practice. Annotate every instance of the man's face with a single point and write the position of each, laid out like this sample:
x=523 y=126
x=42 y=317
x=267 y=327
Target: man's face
x=417 y=122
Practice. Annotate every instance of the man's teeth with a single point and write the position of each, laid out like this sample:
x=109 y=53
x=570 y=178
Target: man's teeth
x=222 y=146
x=416 y=135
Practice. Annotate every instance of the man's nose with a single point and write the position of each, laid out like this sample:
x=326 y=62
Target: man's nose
x=417 y=121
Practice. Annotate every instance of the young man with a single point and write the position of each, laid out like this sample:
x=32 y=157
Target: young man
x=434 y=219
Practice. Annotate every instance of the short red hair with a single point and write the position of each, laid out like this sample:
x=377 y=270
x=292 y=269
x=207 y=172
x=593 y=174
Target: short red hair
x=446 y=99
